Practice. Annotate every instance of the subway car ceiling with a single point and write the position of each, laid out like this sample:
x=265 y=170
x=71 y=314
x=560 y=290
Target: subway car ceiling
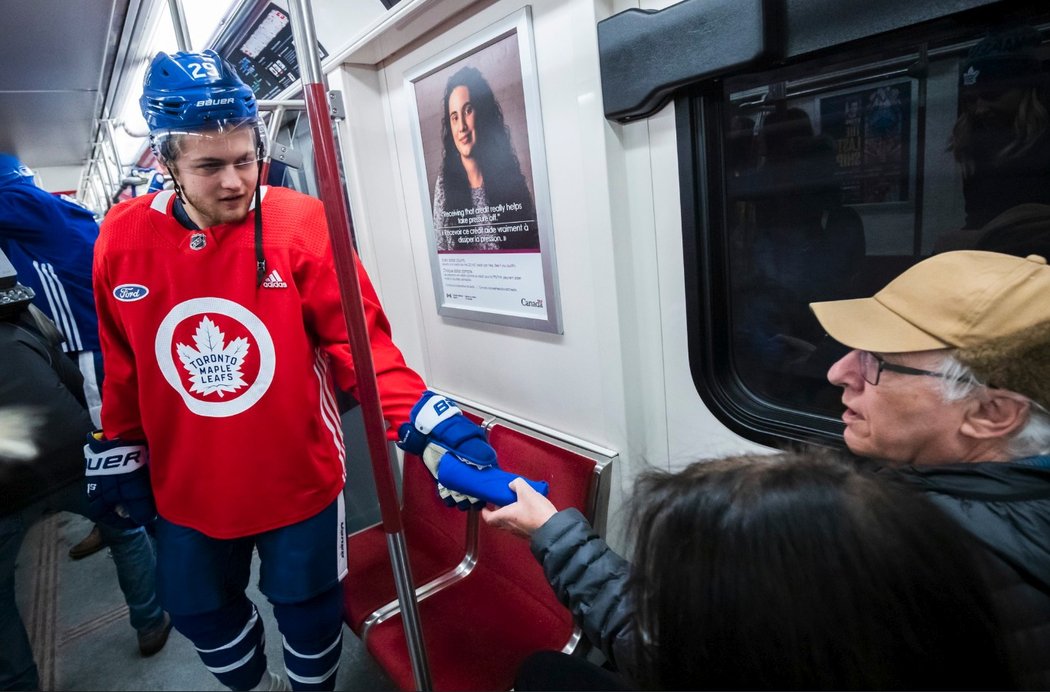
x=58 y=59
x=68 y=64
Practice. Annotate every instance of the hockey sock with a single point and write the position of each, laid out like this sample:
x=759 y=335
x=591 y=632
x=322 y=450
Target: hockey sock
x=229 y=641
x=313 y=639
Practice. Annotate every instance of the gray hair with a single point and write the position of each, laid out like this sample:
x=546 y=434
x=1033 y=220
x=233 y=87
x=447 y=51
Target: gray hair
x=958 y=382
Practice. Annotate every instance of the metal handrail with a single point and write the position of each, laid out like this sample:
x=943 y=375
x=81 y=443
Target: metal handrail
x=340 y=228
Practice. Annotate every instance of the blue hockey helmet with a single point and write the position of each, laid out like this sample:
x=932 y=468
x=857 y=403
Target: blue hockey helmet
x=12 y=170
x=194 y=92
x=189 y=95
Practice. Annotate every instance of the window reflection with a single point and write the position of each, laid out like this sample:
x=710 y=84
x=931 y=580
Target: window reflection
x=834 y=185
x=794 y=242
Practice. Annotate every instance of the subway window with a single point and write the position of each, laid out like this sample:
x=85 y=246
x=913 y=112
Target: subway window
x=825 y=178
x=298 y=172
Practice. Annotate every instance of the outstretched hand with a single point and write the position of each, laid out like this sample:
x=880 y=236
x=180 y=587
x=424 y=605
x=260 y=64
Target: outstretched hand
x=530 y=512
x=456 y=452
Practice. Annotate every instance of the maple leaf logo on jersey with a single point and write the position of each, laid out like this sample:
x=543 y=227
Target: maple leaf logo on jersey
x=216 y=354
x=214 y=366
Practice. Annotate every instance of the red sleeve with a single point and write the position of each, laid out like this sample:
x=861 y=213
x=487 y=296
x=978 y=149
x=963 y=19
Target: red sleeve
x=120 y=396
x=399 y=385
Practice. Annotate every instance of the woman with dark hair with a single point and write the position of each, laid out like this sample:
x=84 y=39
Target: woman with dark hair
x=797 y=570
x=481 y=198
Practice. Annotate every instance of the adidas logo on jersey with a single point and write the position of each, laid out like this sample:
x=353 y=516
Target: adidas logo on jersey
x=274 y=280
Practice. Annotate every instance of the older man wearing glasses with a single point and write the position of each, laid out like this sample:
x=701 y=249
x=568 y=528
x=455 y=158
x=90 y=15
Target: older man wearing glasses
x=949 y=381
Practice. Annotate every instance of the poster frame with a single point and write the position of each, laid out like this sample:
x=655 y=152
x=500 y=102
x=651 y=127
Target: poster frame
x=519 y=25
x=911 y=141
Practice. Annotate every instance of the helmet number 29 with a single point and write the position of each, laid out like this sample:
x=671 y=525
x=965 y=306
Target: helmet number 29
x=203 y=70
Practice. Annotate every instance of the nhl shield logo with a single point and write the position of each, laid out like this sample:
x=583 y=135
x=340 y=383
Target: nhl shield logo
x=198 y=241
x=216 y=354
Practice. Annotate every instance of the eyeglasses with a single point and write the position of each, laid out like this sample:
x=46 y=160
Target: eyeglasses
x=872 y=366
x=208 y=169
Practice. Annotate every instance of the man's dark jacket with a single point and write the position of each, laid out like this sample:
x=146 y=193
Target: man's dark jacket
x=1006 y=506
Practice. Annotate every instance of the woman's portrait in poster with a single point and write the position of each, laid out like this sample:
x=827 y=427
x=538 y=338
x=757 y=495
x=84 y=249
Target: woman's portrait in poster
x=482 y=178
x=481 y=200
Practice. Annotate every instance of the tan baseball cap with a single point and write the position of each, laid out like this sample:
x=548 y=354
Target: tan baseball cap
x=955 y=299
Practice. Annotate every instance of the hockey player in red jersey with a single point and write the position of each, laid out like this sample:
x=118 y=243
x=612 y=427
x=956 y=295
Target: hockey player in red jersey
x=223 y=339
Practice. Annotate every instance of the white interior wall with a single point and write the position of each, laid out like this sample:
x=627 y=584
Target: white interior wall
x=524 y=373
x=618 y=377
x=692 y=430
x=58 y=178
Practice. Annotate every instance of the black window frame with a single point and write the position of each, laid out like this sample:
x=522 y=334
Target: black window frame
x=699 y=117
x=700 y=133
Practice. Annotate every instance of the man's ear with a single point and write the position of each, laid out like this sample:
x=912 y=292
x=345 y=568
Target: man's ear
x=997 y=414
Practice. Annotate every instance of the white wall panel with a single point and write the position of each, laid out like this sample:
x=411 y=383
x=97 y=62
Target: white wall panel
x=619 y=375
x=555 y=380
x=58 y=178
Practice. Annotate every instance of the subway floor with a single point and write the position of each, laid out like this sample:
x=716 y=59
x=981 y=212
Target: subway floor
x=78 y=624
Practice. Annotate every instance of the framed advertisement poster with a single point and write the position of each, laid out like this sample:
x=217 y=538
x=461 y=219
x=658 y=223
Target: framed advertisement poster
x=872 y=132
x=480 y=161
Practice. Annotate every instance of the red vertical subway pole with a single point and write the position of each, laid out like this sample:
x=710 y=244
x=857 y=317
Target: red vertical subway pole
x=340 y=228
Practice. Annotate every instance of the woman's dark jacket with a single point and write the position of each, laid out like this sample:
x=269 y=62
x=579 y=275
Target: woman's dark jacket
x=591 y=580
x=35 y=374
x=1006 y=506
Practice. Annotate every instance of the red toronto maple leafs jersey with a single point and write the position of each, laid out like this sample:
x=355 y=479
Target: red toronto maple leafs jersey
x=230 y=384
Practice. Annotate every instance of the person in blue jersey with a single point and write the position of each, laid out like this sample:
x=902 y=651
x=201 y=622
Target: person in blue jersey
x=50 y=240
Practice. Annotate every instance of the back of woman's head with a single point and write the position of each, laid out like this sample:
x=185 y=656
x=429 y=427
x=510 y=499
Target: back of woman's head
x=799 y=570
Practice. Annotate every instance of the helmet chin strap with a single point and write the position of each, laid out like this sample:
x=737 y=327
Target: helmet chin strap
x=260 y=259
x=176 y=186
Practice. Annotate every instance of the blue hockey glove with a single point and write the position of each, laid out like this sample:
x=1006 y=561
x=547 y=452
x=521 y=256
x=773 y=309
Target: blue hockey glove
x=488 y=485
x=118 y=486
x=457 y=453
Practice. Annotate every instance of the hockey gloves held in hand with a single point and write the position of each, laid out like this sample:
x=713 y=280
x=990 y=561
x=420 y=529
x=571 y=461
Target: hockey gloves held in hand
x=480 y=486
x=457 y=454
x=118 y=487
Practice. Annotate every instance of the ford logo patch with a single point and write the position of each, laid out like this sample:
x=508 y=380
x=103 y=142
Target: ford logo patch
x=130 y=292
